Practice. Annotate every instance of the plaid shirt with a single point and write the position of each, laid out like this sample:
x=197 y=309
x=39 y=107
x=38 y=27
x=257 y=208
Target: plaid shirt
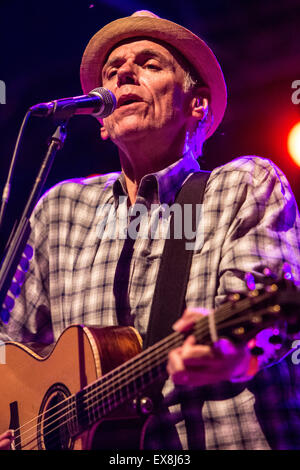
x=81 y=274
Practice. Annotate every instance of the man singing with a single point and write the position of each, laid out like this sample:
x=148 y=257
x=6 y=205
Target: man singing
x=171 y=96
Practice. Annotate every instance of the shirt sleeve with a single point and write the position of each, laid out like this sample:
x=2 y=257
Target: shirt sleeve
x=263 y=233
x=30 y=319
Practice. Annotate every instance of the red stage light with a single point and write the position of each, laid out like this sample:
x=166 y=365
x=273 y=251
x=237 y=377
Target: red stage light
x=293 y=143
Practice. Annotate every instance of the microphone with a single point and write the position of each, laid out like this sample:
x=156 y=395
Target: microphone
x=100 y=102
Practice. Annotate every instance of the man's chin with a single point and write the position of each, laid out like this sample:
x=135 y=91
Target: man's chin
x=132 y=132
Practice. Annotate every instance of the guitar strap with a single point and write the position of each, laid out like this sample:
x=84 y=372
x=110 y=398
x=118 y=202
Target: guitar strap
x=173 y=275
x=169 y=296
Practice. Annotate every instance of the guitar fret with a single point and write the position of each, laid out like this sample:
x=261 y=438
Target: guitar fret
x=128 y=380
x=92 y=411
x=118 y=386
x=72 y=421
x=96 y=409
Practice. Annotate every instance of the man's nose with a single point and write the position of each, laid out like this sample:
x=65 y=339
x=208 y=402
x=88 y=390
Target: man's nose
x=127 y=74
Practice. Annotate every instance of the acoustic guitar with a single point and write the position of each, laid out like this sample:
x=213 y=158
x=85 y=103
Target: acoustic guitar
x=96 y=377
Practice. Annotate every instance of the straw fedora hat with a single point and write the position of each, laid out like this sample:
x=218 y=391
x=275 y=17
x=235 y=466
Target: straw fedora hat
x=148 y=25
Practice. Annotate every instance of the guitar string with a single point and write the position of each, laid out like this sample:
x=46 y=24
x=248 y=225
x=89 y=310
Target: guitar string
x=107 y=383
x=93 y=404
x=92 y=391
x=201 y=326
x=95 y=420
x=130 y=364
x=99 y=399
x=198 y=328
x=95 y=391
x=106 y=387
x=106 y=409
x=197 y=332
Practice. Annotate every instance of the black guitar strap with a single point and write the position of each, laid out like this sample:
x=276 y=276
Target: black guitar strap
x=169 y=295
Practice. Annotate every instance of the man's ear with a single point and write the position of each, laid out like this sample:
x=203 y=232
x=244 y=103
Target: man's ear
x=199 y=107
x=199 y=102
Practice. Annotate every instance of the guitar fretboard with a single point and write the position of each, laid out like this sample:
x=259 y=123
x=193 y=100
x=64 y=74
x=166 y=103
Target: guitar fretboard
x=127 y=381
x=121 y=385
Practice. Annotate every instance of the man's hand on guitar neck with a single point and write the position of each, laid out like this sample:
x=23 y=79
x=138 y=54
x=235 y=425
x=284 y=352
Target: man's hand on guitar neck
x=197 y=364
x=5 y=440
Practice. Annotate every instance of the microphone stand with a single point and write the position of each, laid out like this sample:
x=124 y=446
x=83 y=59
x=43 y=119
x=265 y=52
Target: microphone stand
x=19 y=237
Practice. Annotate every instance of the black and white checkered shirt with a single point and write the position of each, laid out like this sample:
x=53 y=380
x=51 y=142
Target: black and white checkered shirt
x=80 y=273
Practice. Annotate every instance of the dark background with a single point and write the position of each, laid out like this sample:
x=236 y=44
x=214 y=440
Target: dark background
x=256 y=42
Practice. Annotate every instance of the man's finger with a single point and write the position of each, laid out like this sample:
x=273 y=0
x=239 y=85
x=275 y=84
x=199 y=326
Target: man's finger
x=6 y=439
x=189 y=318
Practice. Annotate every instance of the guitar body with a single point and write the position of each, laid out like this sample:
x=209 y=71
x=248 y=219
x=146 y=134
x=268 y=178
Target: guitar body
x=31 y=384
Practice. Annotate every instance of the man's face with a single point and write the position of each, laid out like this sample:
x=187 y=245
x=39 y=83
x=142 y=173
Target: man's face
x=148 y=83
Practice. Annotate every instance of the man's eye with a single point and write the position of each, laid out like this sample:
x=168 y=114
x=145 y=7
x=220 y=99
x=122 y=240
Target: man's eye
x=152 y=66
x=111 y=73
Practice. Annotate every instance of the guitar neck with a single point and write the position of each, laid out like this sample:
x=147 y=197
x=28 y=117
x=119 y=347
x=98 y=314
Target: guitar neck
x=121 y=385
x=127 y=381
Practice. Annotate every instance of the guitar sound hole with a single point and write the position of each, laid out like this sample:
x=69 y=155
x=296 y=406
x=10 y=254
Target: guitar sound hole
x=53 y=423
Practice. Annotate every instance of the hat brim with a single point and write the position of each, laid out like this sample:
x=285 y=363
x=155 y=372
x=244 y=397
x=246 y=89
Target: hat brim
x=188 y=44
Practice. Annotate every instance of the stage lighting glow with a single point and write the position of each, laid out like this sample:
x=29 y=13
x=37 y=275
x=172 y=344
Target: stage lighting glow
x=293 y=143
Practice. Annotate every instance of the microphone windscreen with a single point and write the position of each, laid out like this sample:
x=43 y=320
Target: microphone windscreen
x=109 y=101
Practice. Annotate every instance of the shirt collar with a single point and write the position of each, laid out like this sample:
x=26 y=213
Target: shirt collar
x=162 y=186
